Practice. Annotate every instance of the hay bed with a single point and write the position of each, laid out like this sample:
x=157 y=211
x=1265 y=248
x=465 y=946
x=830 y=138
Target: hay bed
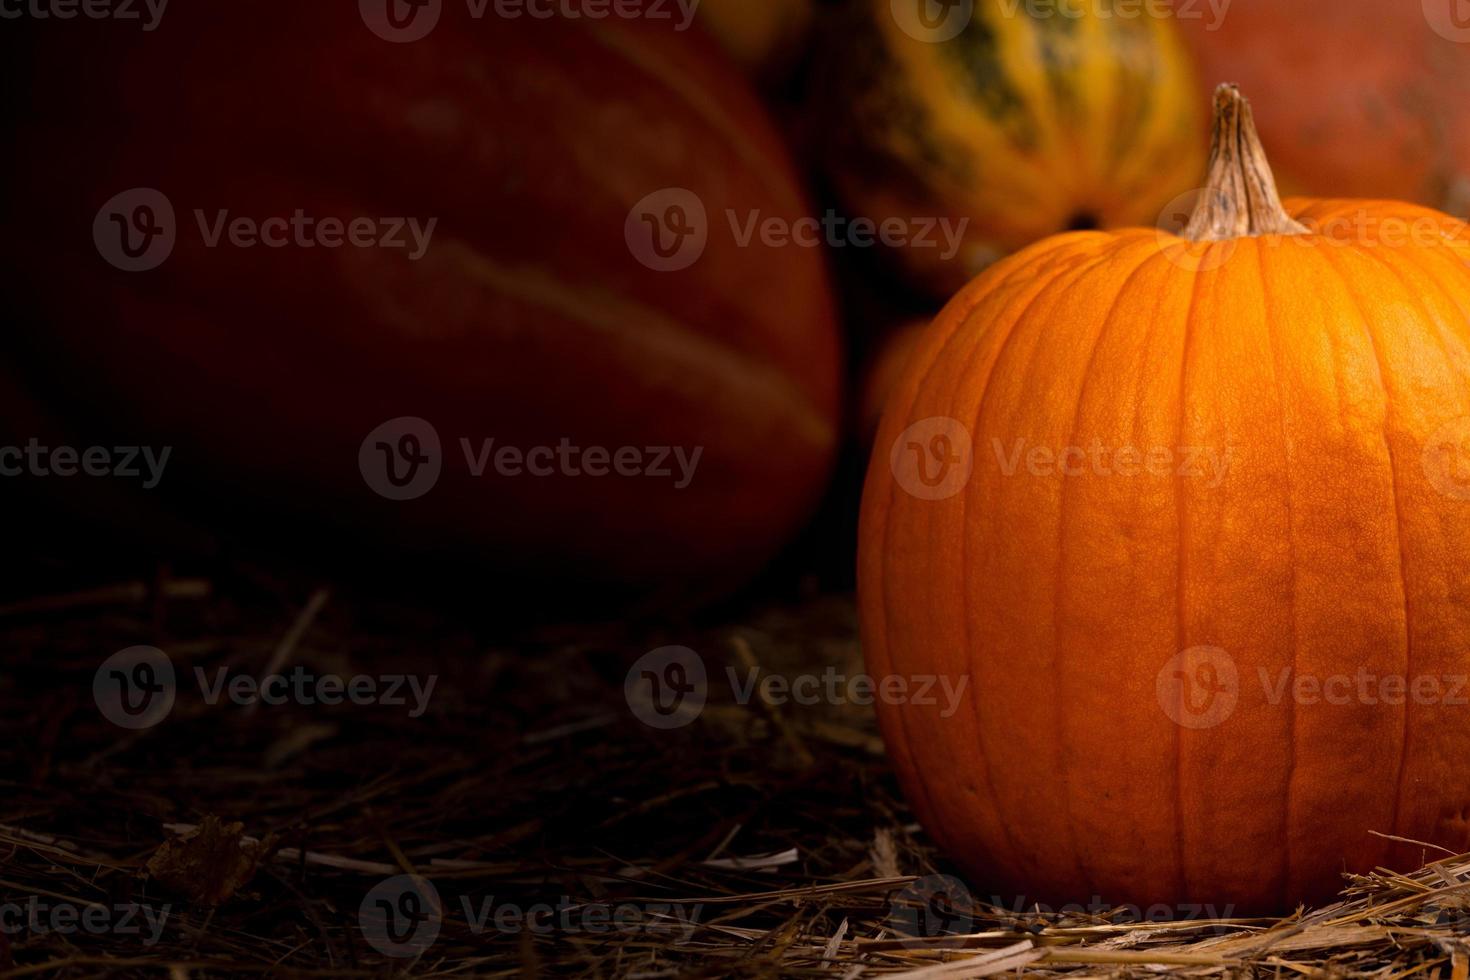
x=779 y=831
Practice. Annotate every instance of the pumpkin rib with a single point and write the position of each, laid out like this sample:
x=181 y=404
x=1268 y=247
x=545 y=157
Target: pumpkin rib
x=1076 y=252
x=966 y=578
x=1458 y=263
x=968 y=301
x=1079 y=264
x=1064 y=280
x=1398 y=515
x=1181 y=640
x=1012 y=325
x=1289 y=486
x=621 y=43
x=600 y=312
x=1458 y=353
x=1457 y=362
x=1429 y=316
x=1150 y=252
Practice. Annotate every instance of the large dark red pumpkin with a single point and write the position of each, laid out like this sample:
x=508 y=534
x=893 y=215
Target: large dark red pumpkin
x=535 y=316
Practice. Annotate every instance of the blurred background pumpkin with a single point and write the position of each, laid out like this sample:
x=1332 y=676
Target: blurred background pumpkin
x=1020 y=119
x=882 y=372
x=1368 y=98
x=764 y=37
x=563 y=162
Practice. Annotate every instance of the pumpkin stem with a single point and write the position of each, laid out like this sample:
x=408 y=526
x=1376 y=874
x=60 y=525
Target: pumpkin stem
x=1239 y=198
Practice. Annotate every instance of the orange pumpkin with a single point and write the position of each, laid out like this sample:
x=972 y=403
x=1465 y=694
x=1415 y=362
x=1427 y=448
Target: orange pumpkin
x=542 y=312
x=1185 y=515
x=974 y=129
x=1377 y=104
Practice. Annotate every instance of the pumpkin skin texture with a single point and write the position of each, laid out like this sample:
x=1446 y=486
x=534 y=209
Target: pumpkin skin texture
x=529 y=319
x=1024 y=125
x=1395 y=124
x=1333 y=377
